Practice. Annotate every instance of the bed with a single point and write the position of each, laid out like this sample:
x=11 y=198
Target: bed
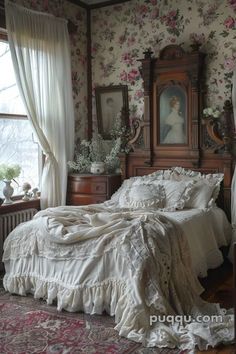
x=206 y=231
x=138 y=255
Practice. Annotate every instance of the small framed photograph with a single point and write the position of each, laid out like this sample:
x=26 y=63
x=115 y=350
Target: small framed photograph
x=173 y=116
x=111 y=104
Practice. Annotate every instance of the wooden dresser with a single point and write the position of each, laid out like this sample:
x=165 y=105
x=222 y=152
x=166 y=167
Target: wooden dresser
x=86 y=189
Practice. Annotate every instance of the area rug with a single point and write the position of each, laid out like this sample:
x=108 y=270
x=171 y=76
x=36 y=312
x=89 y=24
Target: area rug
x=29 y=326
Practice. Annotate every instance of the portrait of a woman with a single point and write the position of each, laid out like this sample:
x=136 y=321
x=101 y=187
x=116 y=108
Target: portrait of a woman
x=173 y=124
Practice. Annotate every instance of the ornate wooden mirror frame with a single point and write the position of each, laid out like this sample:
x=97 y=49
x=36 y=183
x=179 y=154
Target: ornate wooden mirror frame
x=207 y=147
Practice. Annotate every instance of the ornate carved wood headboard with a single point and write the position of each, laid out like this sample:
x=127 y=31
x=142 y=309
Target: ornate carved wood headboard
x=173 y=132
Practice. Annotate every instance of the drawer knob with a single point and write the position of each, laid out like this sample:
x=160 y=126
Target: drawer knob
x=97 y=188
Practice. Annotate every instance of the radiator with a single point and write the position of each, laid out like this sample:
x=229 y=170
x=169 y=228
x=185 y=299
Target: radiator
x=9 y=221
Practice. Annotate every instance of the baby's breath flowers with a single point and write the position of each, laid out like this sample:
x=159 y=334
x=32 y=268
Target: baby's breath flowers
x=211 y=113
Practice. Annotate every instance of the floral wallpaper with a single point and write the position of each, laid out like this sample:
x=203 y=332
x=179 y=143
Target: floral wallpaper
x=121 y=33
x=78 y=16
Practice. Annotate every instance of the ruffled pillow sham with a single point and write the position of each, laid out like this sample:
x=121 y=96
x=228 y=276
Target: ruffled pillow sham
x=147 y=191
x=183 y=188
x=177 y=193
x=127 y=184
x=143 y=195
x=206 y=188
x=205 y=191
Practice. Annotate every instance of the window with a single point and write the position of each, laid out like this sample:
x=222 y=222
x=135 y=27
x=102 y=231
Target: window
x=17 y=143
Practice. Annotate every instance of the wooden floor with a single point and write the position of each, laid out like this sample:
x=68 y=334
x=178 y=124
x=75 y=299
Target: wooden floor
x=219 y=288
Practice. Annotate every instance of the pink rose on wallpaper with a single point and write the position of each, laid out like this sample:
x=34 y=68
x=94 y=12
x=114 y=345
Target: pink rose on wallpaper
x=94 y=50
x=131 y=41
x=138 y=94
x=172 y=40
x=229 y=22
x=230 y=63
x=173 y=21
x=124 y=76
x=197 y=38
x=232 y=3
x=172 y=14
x=127 y=58
x=133 y=75
x=142 y=9
x=172 y=24
x=153 y=2
x=83 y=60
x=154 y=14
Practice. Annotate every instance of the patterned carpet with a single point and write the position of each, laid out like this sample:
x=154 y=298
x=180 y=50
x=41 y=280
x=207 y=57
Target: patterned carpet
x=30 y=326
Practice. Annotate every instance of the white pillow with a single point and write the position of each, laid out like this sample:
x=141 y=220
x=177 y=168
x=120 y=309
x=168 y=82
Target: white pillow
x=143 y=195
x=127 y=183
x=177 y=193
x=201 y=196
x=206 y=190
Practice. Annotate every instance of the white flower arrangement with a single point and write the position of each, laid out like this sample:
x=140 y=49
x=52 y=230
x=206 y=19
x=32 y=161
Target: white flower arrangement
x=98 y=150
x=9 y=172
x=211 y=113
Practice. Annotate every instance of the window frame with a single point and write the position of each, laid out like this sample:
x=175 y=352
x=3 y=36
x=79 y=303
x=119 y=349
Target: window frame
x=41 y=159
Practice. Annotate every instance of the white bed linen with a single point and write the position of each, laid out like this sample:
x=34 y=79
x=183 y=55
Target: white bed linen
x=131 y=264
x=206 y=231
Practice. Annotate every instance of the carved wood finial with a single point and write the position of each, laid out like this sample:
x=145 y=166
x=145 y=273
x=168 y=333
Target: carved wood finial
x=135 y=132
x=221 y=130
x=227 y=125
x=148 y=53
x=171 y=52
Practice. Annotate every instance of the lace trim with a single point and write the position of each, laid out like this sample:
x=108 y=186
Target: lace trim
x=155 y=198
x=90 y=299
x=214 y=179
x=132 y=322
x=153 y=243
x=183 y=199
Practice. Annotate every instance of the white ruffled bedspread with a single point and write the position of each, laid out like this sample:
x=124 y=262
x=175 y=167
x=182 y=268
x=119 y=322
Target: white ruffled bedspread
x=131 y=264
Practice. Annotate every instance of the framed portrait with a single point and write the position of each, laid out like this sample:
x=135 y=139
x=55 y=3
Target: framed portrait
x=173 y=116
x=111 y=105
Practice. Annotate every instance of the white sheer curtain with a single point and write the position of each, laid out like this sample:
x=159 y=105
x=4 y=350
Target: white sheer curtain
x=39 y=45
x=233 y=185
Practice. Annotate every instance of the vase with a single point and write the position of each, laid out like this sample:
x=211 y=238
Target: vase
x=97 y=168
x=7 y=192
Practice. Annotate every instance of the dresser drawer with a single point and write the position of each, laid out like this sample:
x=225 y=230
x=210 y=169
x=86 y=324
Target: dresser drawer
x=81 y=199
x=84 y=189
x=88 y=187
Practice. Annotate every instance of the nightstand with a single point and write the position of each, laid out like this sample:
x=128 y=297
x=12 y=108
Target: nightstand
x=86 y=189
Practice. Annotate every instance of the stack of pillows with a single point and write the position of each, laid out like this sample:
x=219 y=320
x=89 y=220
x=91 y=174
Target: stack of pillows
x=170 y=190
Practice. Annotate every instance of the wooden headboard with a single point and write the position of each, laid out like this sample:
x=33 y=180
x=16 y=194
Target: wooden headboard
x=206 y=145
